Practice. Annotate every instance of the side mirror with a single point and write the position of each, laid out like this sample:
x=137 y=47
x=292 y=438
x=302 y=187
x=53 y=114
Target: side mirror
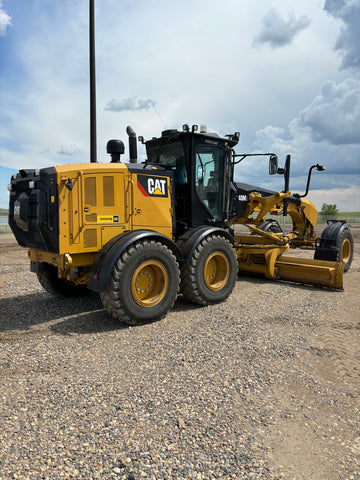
x=273 y=165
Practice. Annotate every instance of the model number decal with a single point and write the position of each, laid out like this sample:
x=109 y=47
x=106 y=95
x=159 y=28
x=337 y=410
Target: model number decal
x=152 y=186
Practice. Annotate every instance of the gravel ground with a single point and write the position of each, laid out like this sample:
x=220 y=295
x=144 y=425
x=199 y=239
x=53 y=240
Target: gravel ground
x=263 y=386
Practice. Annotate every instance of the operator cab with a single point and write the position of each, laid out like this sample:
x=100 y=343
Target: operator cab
x=201 y=164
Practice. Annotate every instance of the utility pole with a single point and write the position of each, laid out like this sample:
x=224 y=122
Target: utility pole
x=93 y=147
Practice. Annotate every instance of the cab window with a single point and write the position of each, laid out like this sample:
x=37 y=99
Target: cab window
x=170 y=155
x=209 y=178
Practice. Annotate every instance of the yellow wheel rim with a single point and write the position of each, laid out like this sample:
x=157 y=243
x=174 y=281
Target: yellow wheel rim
x=149 y=283
x=345 y=251
x=216 y=271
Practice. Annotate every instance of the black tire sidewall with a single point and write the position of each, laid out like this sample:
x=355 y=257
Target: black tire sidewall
x=50 y=281
x=207 y=247
x=132 y=260
x=271 y=226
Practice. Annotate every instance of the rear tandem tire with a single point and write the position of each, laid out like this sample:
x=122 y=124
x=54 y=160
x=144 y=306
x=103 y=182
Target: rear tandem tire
x=49 y=280
x=144 y=283
x=210 y=274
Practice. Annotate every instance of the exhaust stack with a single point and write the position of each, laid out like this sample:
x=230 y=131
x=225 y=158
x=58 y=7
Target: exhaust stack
x=132 y=145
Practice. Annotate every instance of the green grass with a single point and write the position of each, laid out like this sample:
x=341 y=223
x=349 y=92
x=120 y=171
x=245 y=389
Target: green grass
x=349 y=214
x=350 y=217
x=5 y=229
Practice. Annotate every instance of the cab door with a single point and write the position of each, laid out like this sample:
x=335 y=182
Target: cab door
x=210 y=161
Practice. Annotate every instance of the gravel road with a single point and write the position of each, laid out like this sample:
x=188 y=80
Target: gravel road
x=263 y=386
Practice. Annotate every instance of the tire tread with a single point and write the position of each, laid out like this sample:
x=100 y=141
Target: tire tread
x=189 y=285
x=111 y=298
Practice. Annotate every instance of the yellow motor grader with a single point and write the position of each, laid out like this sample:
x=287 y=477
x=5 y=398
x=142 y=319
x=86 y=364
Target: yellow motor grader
x=140 y=233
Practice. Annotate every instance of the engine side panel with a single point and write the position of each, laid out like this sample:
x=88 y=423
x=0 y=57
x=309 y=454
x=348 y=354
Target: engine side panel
x=107 y=199
x=93 y=205
x=76 y=209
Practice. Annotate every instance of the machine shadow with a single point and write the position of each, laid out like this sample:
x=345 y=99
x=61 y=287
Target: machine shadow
x=85 y=315
x=27 y=311
x=101 y=321
x=65 y=316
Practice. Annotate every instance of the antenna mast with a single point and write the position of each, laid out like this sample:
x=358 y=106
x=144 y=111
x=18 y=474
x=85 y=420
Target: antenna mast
x=93 y=147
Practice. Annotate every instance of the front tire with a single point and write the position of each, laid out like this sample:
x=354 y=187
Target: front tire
x=209 y=276
x=346 y=248
x=336 y=244
x=144 y=283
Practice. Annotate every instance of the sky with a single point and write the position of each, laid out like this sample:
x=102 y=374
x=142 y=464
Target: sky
x=285 y=74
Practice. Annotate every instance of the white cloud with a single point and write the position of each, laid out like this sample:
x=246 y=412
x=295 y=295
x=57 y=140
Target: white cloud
x=334 y=115
x=277 y=31
x=321 y=134
x=349 y=39
x=29 y=156
x=129 y=104
x=339 y=160
x=346 y=199
x=5 y=20
x=69 y=150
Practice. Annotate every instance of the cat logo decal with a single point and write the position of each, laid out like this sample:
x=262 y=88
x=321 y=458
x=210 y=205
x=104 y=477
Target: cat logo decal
x=152 y=186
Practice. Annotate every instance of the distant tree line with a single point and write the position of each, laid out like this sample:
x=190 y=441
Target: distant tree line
x=329 y=209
